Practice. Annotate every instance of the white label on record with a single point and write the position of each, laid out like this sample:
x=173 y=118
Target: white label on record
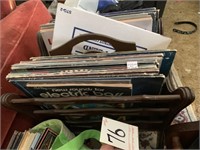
x=132 y=64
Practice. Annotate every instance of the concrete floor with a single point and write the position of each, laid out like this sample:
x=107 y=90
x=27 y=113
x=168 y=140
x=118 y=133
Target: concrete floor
x=187 y=61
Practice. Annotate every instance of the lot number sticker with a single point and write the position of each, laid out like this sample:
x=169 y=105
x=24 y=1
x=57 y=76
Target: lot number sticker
x=119 y=134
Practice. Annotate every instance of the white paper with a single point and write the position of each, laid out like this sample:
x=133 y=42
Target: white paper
x=89 y=5
x=119 y=134
x=132 y=64
x=71 y=22
x=144 y=23
x=71 y=3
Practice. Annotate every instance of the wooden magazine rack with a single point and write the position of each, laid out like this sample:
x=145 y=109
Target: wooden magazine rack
x=148 y=112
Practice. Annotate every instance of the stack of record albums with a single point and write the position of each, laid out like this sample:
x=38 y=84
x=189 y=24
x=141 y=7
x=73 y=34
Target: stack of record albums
x=96 y=74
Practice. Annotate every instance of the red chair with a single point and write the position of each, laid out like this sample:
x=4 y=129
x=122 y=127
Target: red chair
x=7 y=6
x=19 y=27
